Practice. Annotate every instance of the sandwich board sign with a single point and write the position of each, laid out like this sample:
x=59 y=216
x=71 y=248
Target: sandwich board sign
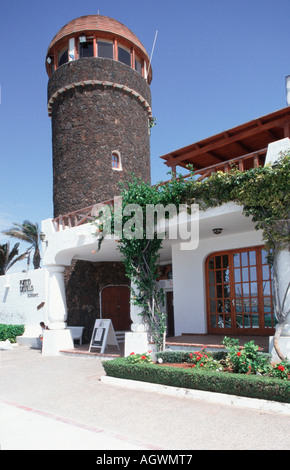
x=103 y=335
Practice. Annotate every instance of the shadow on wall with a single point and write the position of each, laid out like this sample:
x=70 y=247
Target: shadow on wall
x=84 y=281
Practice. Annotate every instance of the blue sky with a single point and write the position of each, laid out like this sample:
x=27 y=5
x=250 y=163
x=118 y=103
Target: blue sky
x=216 y=64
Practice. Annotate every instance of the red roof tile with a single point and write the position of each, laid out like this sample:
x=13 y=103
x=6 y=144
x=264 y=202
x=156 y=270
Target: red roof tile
x=98 y=23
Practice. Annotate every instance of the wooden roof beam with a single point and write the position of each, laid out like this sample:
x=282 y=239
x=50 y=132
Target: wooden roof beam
x=243 y=147
x=227 y=139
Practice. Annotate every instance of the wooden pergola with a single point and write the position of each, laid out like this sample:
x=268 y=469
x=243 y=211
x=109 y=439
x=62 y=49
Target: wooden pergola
x=246 y=145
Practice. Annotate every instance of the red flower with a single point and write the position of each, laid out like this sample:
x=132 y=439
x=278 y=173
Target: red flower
x=143 y=357
x=239 y=353
x=132 y=354
x=198 y=358
x=190 y=355
x=201 y=365
x=282 y=368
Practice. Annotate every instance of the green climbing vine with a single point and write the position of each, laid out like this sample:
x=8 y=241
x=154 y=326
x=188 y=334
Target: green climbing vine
x=263 y=192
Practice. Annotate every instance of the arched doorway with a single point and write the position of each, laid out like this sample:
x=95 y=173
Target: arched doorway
x=115 y=305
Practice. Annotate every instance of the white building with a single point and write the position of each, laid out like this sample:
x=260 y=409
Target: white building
x=220 y=284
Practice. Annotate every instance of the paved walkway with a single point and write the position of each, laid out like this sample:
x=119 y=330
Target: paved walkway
x=61 y=403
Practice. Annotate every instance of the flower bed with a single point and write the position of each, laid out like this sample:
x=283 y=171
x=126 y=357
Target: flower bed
x=239 y=371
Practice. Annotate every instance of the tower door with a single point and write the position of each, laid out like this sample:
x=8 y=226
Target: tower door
x=115 y=305
x=239 y=292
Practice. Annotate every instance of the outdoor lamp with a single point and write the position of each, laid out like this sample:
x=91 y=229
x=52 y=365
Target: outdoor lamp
x=217 y=231
x=42 y=237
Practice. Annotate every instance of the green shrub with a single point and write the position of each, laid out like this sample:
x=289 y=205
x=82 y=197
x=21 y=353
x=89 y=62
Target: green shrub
x=10 y=332
x=249 y=360
x=172 y=356
x=139 y=358
x=281 y=370
x=184 y=356
x=205 y=360
x=254 y=386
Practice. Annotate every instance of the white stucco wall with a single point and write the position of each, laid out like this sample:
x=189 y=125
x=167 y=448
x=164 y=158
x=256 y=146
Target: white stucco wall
x=189 y=288
x=21 y=294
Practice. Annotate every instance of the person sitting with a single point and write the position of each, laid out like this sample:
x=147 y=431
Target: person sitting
x=43 y=327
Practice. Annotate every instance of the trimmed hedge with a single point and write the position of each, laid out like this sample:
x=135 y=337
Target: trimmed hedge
x=10 y=332
x=253 y=386
x=183 y=356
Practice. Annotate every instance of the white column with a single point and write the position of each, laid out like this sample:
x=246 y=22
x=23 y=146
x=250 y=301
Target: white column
x=57 y=337
x=57 y=309
x=137 y=340
x=283 y=279
x=138 y=323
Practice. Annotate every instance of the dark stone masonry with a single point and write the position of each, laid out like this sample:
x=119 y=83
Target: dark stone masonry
x=97 y=106
x=84 y=284
x=88 y=124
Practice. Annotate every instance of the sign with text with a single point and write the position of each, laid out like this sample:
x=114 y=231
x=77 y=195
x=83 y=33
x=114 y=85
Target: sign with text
x=103 y=335
x=26 y=286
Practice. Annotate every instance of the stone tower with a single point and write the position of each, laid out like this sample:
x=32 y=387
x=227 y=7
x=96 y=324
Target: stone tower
x=99 y=101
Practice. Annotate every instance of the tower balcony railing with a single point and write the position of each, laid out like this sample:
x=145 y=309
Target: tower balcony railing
x=79 y=217
x=89 y=214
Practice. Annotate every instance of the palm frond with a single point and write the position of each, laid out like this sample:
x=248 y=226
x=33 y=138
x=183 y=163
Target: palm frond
x=27 y=232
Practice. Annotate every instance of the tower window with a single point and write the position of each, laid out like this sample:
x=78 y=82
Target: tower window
x=116 y=161
x=62 y=57
x=105 y=49
x=124 y=55
x=86 y=49
x=138 y=65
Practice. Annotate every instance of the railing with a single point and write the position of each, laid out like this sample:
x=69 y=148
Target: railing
x=83 y=216
x=250 y=160
x=79 y=217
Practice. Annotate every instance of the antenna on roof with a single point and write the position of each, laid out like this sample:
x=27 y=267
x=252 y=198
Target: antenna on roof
x=152 y=51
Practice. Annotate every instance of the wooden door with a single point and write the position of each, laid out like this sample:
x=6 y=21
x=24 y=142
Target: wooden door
x=115 y=304
x=239 y=292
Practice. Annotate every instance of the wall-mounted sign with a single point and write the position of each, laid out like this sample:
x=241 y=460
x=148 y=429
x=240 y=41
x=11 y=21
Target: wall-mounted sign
x=26 y=286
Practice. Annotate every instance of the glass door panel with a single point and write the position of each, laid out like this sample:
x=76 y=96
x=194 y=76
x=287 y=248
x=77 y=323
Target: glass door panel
x=239 y=290
x=245 y=289
x=219 y=292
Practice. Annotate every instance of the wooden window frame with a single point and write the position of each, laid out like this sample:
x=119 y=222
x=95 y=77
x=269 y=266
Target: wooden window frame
x=61 y=51
x=109 y=41
x=126 y=49
x=262 y=329
x=134 y=55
